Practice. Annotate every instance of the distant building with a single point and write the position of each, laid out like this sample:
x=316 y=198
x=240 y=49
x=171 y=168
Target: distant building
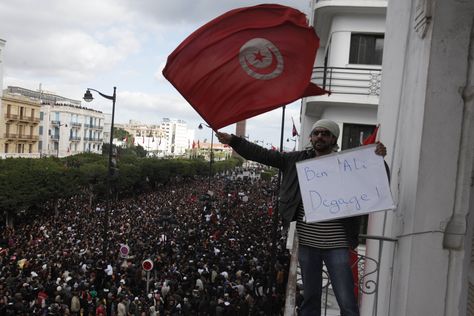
x=64 y=126
x=68 y=130
x=19 y=131
x=168 y=138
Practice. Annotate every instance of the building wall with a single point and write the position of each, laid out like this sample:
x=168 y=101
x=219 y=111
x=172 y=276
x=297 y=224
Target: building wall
x=69 y=130
x=20 y=117
x=427 y=125
x=338 y=22
x=2 y=47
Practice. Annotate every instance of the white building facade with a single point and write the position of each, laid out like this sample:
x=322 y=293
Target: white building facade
x=349 y=64
x=2 y=47
x=66 y=130
x=424 y=104
x=167 y=138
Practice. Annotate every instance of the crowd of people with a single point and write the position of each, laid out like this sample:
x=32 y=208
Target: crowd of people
x=211 y=254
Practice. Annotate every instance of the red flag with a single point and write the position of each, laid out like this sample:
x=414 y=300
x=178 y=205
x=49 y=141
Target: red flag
x=194 y=144
x=294 y=132
x=372 y=137
x=354 y=260
x=245 y=62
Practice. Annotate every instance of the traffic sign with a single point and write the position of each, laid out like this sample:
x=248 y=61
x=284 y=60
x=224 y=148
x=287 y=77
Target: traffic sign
x=147 y=265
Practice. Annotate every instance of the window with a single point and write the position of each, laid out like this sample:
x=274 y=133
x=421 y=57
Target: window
x=41 y=116
x=40 y=145
x=366 y=49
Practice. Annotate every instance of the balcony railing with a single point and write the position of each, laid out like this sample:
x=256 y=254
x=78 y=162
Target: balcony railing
x=11 y=117
x=54 y=137
x=28 y=137
x=340 y=80
x=92 y=126
x=10 y=136
x=56 y=123
x=29 y=119
x=367 y=284
x=74 y=138
x=75 y=124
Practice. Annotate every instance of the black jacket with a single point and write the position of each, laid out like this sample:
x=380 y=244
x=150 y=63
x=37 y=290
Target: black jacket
x=290 y=195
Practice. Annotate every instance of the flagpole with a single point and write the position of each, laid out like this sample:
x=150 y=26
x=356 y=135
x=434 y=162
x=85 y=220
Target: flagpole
x=276 y=211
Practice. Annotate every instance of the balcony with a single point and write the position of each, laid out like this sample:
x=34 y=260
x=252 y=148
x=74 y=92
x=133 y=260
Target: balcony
x=349 y=81
x=54 y=137
x=56 y=123
x=34 y=138
x=74 y=138
x=75 y=124
x=367 y=283
x=10 y=136
x=92 y=126
x=29 y=119
x=11 y=117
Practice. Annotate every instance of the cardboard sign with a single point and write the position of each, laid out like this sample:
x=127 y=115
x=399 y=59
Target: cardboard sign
x=349 y=183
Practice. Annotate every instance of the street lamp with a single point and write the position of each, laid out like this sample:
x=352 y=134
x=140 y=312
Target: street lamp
x=88 y=98
x=210 y=154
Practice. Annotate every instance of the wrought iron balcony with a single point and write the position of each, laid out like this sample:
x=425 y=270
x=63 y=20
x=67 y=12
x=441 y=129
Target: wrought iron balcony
x=10 y=136
x=56 y=123
x=29 y=119
x=348 y=80
x=28 y=137
x=367 y=284
x=11 y=117
x=74 y=138
x=55 y=137
x=75 y=124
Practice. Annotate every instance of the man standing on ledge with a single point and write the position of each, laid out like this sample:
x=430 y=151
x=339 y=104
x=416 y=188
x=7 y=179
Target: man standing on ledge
x=328 y=241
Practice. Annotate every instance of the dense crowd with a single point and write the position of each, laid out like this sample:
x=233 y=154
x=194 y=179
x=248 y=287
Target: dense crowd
x=211 y=255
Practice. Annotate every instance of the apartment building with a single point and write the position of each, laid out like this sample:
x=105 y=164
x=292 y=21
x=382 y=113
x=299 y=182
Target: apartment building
x=64 y=126
x=19 y=126
x=68 y=129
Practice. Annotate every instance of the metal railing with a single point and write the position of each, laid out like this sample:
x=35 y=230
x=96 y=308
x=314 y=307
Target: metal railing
x=10 y=117
x=28 y=137
x=29 y=119
x=74 y=138
x=368 y=277
x=348 y=80
x=75 y=124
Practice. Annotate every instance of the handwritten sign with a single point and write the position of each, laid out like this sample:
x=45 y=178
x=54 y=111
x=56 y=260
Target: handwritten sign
x=349 y=183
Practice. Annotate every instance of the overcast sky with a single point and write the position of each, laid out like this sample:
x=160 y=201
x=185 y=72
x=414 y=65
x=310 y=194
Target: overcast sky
x=68 y=46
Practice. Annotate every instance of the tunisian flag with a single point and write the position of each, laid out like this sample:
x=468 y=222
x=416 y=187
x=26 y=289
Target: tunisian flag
x=245 y=62
x=372 y=137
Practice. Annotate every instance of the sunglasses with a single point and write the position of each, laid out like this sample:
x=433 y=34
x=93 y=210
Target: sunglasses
x=324 y=133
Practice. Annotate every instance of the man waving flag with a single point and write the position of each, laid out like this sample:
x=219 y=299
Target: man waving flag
x=245 y=62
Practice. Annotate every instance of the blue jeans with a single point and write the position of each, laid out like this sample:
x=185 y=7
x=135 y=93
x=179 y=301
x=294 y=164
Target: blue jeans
x=338 y=265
